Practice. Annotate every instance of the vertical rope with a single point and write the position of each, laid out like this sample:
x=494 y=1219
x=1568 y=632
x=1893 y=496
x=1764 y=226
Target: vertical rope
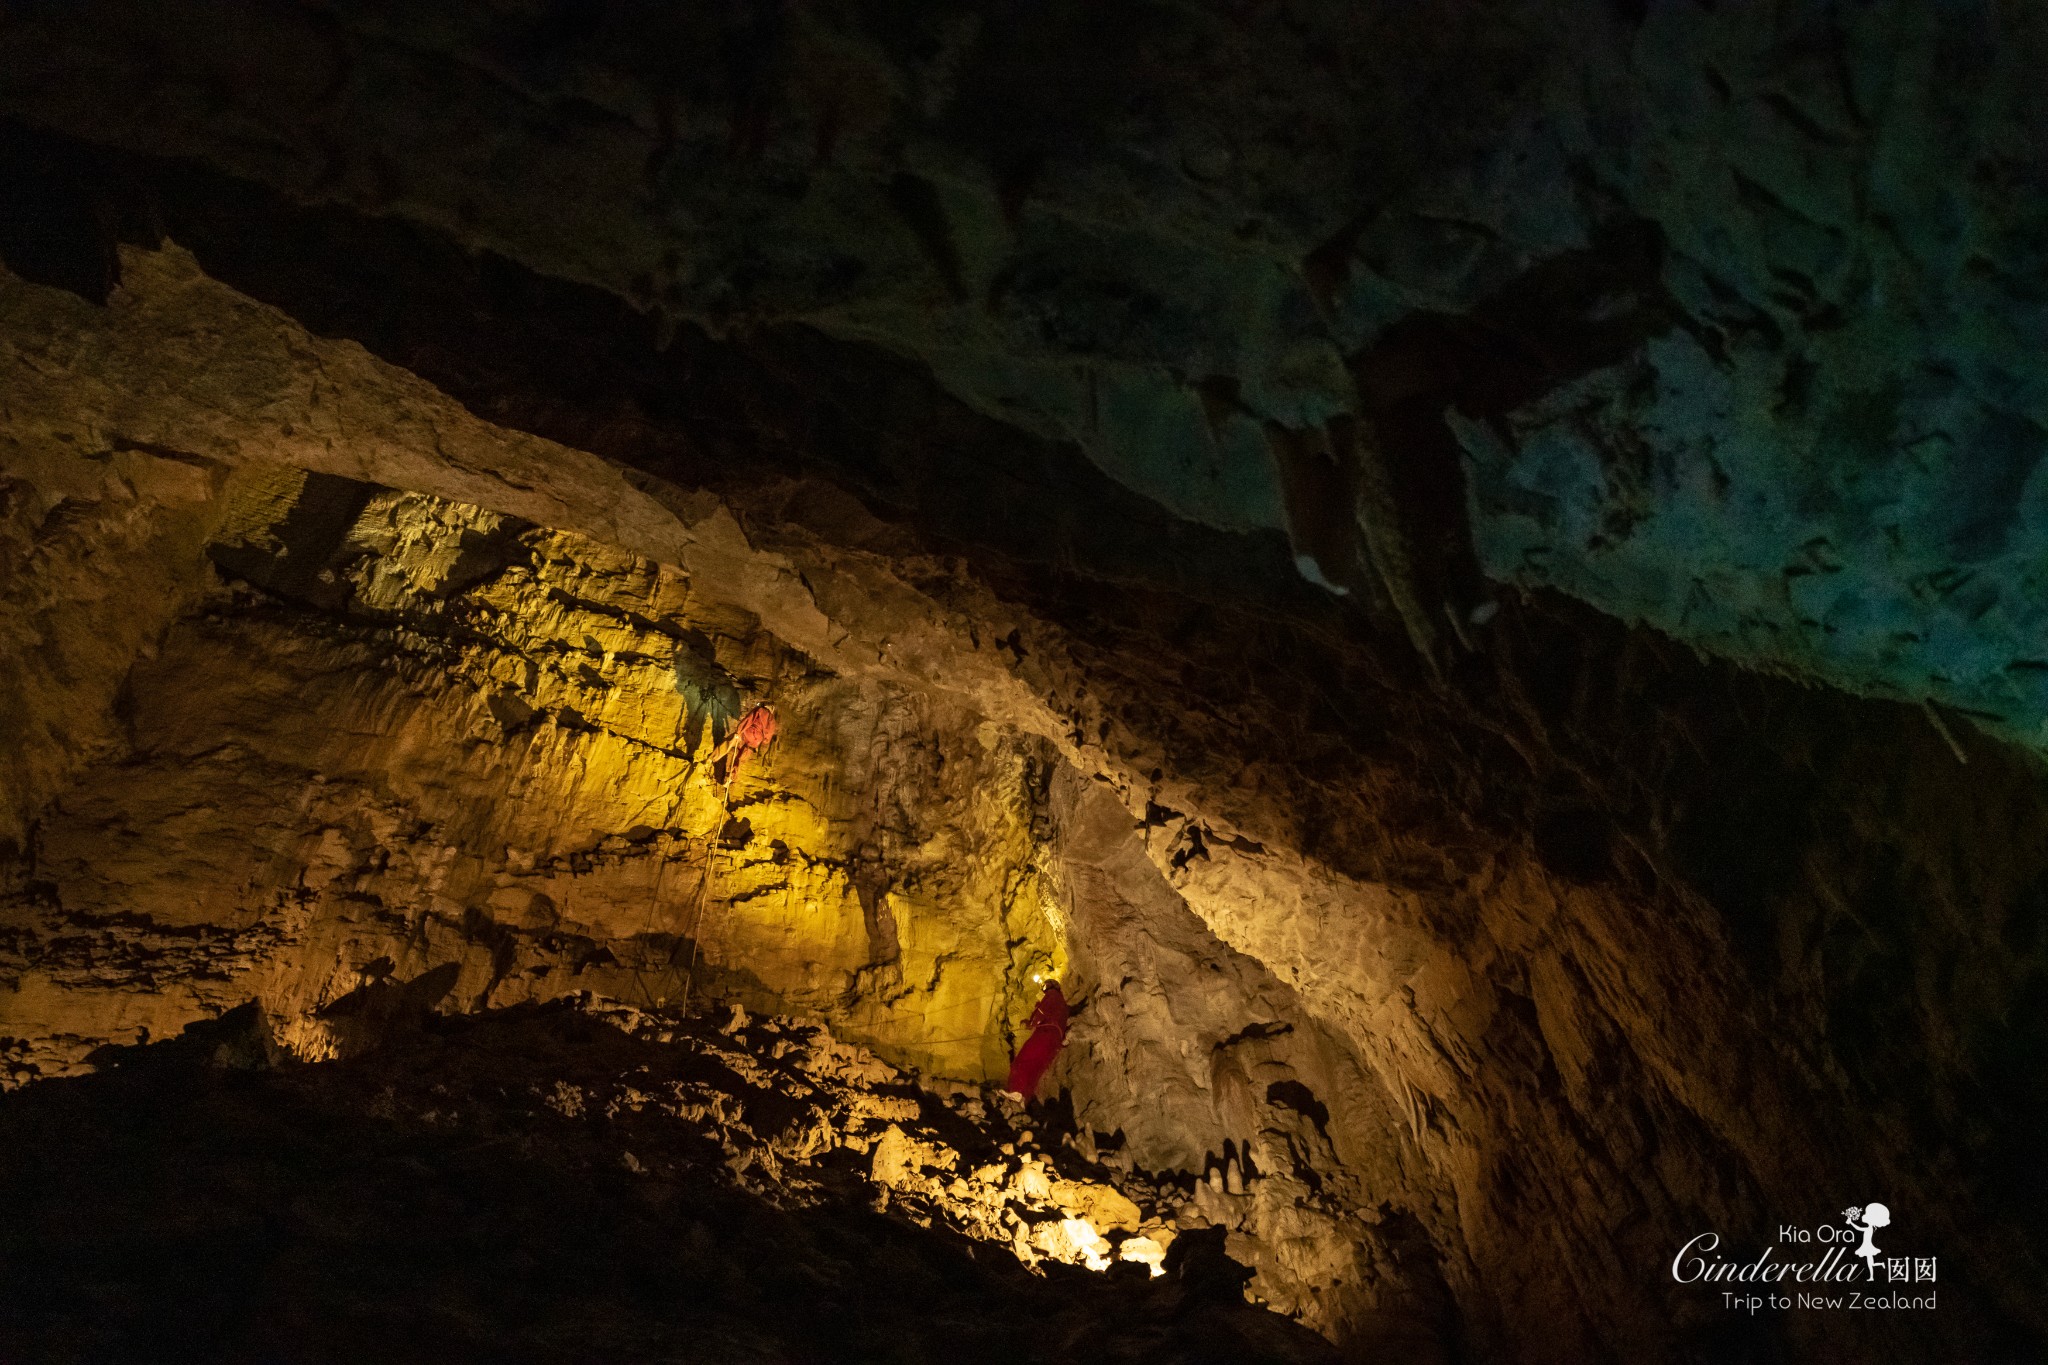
x=647 y=925
x=739 y=758
x=704 y=892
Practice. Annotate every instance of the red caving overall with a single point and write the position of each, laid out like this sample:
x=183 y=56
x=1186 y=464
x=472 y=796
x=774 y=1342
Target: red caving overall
x=755 y=732
x=1048 y=1024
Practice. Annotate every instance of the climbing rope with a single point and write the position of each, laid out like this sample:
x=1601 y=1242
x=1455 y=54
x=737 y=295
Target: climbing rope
x=702 y=895
x=710 y=866
x=942 y=1042
x=647 y=997
x=704 y=887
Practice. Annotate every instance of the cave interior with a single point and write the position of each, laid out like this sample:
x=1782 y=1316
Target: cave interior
x=596 y=595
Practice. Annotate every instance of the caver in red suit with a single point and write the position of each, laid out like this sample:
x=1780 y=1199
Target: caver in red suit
x=755 y=732
x=1048 y=1024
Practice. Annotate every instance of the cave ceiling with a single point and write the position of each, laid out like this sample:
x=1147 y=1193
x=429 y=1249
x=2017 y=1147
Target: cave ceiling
x=1705 y=317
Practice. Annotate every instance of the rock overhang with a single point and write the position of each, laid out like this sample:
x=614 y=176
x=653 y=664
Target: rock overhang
x=1820 y=459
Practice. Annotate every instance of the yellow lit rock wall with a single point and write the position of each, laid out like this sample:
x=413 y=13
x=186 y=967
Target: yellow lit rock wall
x=455 y=751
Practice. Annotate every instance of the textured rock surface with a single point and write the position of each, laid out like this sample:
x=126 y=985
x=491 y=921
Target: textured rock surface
x=1475 y=1003
x=1478 y=985
x=478 y=763
x=552 y=1186
x=1732 y=303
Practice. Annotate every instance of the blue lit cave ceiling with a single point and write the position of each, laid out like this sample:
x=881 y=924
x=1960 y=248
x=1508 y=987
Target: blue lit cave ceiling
x=1725 y=319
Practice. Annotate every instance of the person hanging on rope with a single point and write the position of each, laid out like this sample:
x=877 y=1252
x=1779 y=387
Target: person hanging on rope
x=1048 y=1025
x=755 y=732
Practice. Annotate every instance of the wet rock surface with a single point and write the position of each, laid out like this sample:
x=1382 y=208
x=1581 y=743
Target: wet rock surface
x=564 y=1183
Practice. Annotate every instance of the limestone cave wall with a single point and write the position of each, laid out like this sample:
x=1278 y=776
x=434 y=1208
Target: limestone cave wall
x=480 y=758
x=1475 y=1002
x=1463 y=575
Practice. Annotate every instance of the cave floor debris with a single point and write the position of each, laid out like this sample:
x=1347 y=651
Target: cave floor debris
x=578 y=1181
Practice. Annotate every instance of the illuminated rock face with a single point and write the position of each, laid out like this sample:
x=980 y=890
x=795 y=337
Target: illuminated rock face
x=1440 y=1013
x=1450 y=998
x=477 y=758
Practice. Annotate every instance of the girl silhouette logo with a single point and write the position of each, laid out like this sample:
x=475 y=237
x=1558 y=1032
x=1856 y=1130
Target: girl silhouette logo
x=1867 y=1220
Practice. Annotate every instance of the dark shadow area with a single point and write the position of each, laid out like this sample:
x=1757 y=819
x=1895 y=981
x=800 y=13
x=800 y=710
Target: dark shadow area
x=424 y=1203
